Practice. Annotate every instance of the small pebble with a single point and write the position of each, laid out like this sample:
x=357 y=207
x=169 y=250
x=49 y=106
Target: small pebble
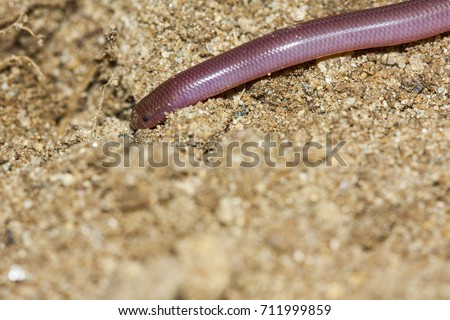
x=27 y=204
x=17 y=274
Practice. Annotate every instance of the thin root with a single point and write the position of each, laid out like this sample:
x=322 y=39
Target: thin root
x=18 y=24
x=11 y=25
x=23 y=60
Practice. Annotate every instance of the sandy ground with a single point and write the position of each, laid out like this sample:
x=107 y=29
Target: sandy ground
x=70 y=71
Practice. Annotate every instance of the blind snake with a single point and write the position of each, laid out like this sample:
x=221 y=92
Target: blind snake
x=377 y=27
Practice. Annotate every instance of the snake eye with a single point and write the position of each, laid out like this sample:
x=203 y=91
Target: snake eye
x=145 y=118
